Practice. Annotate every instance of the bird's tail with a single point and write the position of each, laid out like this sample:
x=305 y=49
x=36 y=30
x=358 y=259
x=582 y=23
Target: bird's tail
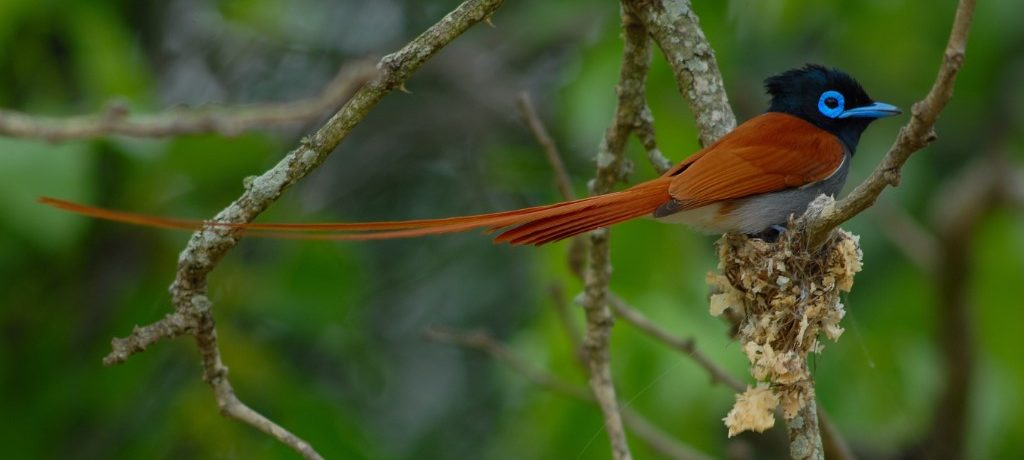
x=537 y=225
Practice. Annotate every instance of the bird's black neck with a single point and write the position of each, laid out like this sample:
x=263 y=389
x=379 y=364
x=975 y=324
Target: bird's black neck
x=849 y=133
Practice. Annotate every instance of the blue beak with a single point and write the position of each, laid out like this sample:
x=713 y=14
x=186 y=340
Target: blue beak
x=876 y=110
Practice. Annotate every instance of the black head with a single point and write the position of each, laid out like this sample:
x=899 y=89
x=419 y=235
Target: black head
x=830 y=99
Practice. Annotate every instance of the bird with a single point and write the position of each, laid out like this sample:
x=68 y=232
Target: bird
x=749 y=181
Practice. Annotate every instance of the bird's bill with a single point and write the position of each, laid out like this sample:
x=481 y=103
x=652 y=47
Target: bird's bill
x=875 y=110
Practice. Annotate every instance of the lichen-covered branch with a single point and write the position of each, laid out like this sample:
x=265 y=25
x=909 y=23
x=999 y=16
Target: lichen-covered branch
x=658 y=440
x=804 y=434
x=171 y=326
x=918 y=133
x=215 y=374
x=644 y=130
x=612 y=167
x=115 y=119
x=676 y=29
x=208 y=246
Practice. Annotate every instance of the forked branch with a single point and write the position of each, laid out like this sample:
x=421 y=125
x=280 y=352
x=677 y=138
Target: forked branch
x=918 y=133
x=207 y=247
x=676 y=28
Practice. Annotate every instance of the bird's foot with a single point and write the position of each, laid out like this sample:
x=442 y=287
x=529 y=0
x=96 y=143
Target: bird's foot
x=770 y=234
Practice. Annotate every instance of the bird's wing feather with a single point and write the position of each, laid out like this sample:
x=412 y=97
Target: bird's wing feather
x=768 y=153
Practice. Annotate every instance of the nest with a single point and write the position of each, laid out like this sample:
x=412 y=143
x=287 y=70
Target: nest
x=785 y=297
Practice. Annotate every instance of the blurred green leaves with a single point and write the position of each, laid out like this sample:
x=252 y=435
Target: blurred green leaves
x=324 y=337
x=28 y=170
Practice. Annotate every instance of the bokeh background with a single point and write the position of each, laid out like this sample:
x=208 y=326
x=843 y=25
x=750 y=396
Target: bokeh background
x=326 y=338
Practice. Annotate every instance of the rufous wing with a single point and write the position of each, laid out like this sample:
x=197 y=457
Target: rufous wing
x=768 y=153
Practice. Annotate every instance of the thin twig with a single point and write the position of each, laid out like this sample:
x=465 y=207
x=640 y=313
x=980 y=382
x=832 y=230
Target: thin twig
x=577 y=247
x=918 y=133
x=644 y=130
x=215 y=374
x=544 y=139
x=115 y=119
x=685 y=346
x=482 y=341
x=173 y=325
x=208 y=246
x=836 y=447
x=658 y=440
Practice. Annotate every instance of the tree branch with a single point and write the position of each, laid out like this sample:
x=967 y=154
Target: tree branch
x=817 y=225
x=805 y=434
x=918 y=133
x=644 y=130
x=639 y=425
x=612 y=167
x=676 y=29
x=685 y=346
x=208 y=246
x=215 y=374
x=835 y=445
x=115 y=119
x=658 y=440
x=529 y=115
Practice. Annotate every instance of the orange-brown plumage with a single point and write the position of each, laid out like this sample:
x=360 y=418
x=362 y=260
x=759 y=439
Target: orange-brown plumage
x=754 y=178
x=768 y=153
x=535 y=225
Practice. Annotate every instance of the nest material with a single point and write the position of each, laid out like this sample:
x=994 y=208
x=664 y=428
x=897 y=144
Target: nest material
x=786 y=296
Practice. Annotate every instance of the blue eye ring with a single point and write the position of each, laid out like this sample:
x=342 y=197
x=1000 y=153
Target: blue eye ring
x=831 y=104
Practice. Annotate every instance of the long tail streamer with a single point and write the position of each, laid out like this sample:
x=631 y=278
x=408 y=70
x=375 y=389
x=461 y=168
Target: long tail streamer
x=536 y=225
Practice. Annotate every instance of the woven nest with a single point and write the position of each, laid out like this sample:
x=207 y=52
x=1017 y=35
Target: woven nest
x=786 y=297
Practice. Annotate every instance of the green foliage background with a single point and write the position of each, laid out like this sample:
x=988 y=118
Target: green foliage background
x=326 y=339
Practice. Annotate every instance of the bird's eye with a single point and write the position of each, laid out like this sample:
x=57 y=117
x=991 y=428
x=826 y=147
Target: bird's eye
x=831 y=104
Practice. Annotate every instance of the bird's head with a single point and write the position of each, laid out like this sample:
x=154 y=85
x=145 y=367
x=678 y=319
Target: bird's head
x=828 y=98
